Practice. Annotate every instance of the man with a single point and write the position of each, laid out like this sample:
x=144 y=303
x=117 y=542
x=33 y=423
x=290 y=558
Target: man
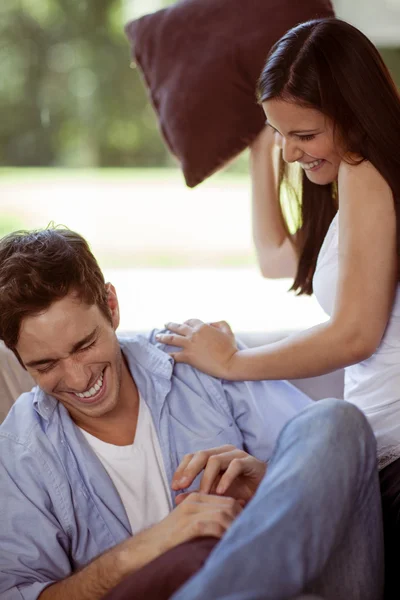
x=88 y=457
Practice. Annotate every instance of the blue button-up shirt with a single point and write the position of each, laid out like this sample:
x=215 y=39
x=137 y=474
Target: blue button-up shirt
x=59 y=508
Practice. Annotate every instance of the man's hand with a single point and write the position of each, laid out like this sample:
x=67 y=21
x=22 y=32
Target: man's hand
x=198 y=515
x=227 y=471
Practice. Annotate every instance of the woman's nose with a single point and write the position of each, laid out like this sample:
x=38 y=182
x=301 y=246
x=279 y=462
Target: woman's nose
x=290 y=151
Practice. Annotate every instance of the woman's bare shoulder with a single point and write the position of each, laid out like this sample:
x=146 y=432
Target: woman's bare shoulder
x=362 y=175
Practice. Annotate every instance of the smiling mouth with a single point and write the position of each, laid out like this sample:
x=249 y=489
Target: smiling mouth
x=94 y=393
x=311 y=166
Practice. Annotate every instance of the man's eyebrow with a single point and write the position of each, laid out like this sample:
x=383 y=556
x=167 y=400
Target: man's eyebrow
x=303 y=132
x=86 y=340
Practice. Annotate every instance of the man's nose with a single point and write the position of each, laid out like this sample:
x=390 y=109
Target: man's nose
x=291 y=151
x=76 y=377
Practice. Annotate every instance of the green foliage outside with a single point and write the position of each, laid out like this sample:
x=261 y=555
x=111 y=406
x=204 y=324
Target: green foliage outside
x=68 y=96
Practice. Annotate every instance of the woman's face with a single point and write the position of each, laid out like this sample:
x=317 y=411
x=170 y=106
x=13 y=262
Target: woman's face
x=307 y=138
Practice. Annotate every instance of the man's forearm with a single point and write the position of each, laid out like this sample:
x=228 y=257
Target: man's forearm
x=106 y=571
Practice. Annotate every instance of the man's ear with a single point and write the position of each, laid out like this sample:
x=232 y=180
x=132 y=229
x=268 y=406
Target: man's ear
x=113 y=305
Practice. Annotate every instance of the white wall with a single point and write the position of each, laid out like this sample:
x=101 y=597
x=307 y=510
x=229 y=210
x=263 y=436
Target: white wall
x=378 y=19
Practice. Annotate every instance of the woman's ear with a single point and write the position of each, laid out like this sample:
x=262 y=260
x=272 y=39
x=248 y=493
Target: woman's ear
x=113 y=305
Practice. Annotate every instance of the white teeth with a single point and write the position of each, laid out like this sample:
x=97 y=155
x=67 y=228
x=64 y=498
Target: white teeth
x=93 y=390
x=311 y=165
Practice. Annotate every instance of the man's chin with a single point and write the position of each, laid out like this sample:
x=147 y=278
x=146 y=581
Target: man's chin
x=96 y=409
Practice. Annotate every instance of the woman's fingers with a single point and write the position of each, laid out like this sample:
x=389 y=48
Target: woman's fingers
x=179 y=328
x=172 y=339
x=178 y=334
x=209 y=349
x=180 y=357
x=194 y=322
x=222 y=326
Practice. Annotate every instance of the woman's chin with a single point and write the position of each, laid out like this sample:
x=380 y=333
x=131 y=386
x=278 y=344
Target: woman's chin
x=321 y=178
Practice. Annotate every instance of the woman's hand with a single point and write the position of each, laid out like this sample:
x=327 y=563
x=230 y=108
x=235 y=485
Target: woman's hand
x=209 y=348
x=266 y=140
x=227 y=471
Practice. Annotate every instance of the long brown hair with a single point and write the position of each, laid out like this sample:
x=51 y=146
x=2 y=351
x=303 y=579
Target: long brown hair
x=331 y=66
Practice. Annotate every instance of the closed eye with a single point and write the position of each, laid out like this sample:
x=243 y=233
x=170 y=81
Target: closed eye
x=46 y=369
x=52 y=365
x=306 y=138
x=87 y=347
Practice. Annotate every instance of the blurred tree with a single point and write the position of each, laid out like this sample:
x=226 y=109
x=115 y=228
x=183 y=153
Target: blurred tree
x=67 y=94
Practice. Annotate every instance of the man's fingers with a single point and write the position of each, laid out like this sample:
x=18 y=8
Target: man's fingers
x=178 y=475
x=192 y=468
x=181 y=497
x=219 y=502
x=211 y=473
x=216 y=464
x=238 y=466
x=193 y=464
x=208 y=528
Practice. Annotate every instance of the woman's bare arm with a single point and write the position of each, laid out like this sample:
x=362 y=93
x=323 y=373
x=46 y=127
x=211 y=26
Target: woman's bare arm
x=275 y=249
x=364 y=297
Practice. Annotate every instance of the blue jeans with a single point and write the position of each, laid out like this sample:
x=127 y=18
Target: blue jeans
x=315 y=524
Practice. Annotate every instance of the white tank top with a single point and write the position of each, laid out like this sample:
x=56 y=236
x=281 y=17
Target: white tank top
x=373 y=384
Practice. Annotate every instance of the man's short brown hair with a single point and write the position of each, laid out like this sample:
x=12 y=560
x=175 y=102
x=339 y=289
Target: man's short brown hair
x=39 y=267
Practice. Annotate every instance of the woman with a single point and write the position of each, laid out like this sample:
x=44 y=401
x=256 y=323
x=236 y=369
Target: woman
x=327 y=93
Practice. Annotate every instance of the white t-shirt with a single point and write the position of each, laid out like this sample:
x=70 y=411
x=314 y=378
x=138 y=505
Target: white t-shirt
x=373 y=384
x=137 y=472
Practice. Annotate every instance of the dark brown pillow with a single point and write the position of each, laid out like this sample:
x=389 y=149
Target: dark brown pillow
x=201 y=60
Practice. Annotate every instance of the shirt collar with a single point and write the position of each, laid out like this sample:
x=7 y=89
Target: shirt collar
x=43 y=403
x=139 y=352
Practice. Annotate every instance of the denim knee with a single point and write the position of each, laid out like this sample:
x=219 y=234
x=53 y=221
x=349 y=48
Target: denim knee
x=335 y=422
x=342 y=418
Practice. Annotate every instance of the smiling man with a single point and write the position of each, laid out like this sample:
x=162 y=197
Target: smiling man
x=88 y=457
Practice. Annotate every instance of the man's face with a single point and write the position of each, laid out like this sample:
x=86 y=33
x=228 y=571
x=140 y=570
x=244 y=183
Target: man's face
x=72 y=352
